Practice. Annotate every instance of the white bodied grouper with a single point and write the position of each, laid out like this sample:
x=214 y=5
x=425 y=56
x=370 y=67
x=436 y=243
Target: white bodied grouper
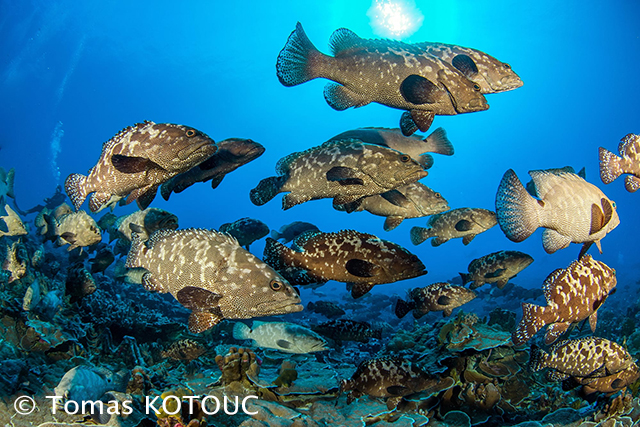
x=136 y=161
x=283 y=336
x=612 y=166
x=392 y=73
x=568 y=207
x=212 y=275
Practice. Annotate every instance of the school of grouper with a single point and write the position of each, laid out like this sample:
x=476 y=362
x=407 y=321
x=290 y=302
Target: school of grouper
x=211 y=273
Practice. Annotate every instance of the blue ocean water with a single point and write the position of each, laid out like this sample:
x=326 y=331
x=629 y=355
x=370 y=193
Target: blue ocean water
x=72 y=74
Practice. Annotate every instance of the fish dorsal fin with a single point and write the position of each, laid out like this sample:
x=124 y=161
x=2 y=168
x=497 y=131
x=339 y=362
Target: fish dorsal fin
x=197 y=298
x=343 y=40
x=626 y=146
x=597 y=219
x=547 y=286
x=545 y=180
x=282 y=166
x=303 y=239
x=158 y=236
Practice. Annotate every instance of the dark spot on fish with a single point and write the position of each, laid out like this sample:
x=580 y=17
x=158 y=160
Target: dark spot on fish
x=463 y=225
x=283 y=343
x=361 y=268
x=419 y=90
x=465 y=65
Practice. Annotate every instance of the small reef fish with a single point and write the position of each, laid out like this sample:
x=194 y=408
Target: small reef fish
x=11 y=224
x=212 y=275
x=344 y=170
x=386 y=377
x=245 y=230
x=441 y=296
x=531 y=186
x=67 y=227
x=136 y=161
x=569 y=208
x=498 y=267
x=326 y=308
x=609 y=384
x=283 y=336
x=388 y=72
x=347 y=330
x=413 y=200
x=79 y=283
x=462 y=222
x=232 y=153
x=185 y=349
x=490 y=74
x=6 y=184
x=612 y=166
x=289 y=232
x=573 y=294
x=587 y=357
x=348 y=256
x=15 y=261
x=414 y=145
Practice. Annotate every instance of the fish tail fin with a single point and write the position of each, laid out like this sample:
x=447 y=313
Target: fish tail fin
x=439 y=143
x=516 y=210
x=10 y=179
x=425 y=160
x=537 y=358
x=609 y=166
x=419 y=235
x=138 y=248
x=297 y=59
x=75 y=185
x=466 y=278
x=403 y=307
x=241 y=331
x=273 y=253
x=533 y=319
x=267 y=189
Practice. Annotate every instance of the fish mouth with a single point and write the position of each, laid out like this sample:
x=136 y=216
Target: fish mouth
x=509 y=83
x=411 y=176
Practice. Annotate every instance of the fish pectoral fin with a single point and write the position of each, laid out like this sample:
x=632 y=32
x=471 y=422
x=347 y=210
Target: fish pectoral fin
x=617 y=383
x=554 y=331
x=361 y=268
x=340 y=98
x=419 y=90
x=444 y=300
x=344 y=176
x=463 y=225
x=136 y=228
x=467 y=239
x=585 y=248
x=447 y=312
x=423 y=119
x=631 y=183
x=145 y=198
x=151 y=284
x=216 y=180
x=396 y=198
x=359 y=289
x=553 y=241
x=195 y=298
x=69 y=237
x=284 y=344
x=201 y=320
x=556 y=376
x=392 y=222
x=440 y=240
x=593 y=321
x=597 y=219
x=502 y=283
x=607 y=210
x=496 y=273
x=465 y=65
x=129 y=164
x=398 y=390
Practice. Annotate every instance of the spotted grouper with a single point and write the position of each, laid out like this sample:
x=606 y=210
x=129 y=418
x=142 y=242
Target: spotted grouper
x=441 y=296
x=612 y=166
x=345 y=170
x=136 y=161
x=573 y=294
x=360 y=259
x=388 y=72
x=568 y=207
x=212 y=275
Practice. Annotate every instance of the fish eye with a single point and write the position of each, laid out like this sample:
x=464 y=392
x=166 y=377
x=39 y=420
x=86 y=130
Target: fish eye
x=613 y=204
x=438 y=195
x=275 y=285
x=190 y=133
x=404 y=158
x=507 y=66
x=476 y=86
